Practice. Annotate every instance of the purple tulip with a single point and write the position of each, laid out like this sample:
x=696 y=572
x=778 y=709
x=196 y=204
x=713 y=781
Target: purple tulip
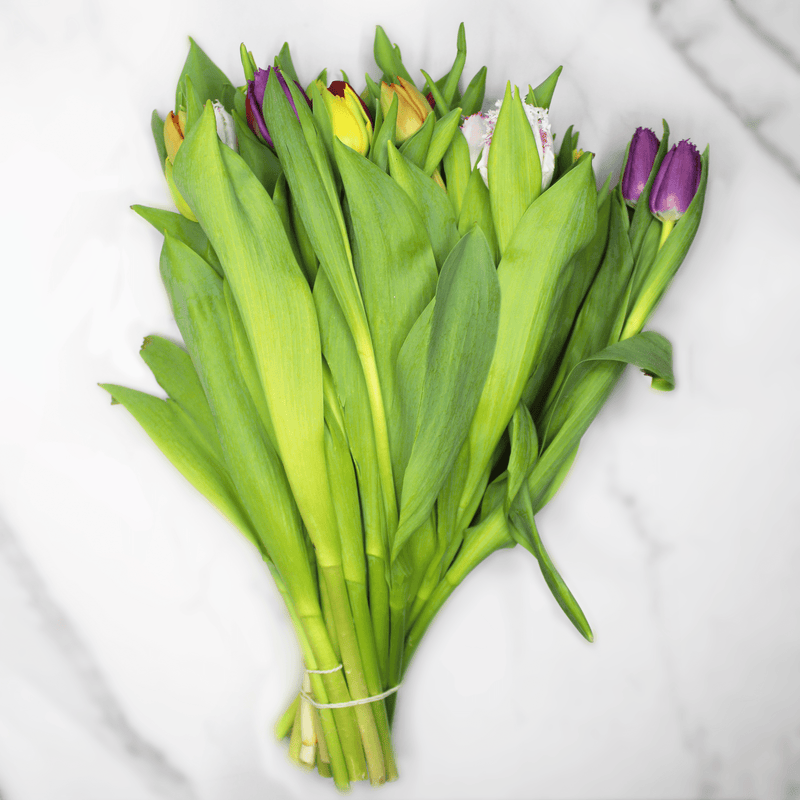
x=676 y=183
x=641 y=156
x=254 y=103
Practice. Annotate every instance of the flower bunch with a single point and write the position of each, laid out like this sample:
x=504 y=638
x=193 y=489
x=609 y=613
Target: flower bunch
x=399 y=316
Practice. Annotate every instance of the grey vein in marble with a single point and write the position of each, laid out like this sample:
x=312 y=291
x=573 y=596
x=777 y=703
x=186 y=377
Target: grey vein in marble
x=107 y=720
x=707 y=764
x=771 y=115
x=769 y=38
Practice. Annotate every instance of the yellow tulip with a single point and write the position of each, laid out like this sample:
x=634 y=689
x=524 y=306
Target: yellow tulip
x=174 y=127
x=350 y=118
x=412 y=107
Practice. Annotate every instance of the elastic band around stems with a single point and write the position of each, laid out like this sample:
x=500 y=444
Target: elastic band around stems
x=323 y=671
x=363 y=700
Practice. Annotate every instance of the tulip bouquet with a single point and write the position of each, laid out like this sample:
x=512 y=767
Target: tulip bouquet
x=400 y=313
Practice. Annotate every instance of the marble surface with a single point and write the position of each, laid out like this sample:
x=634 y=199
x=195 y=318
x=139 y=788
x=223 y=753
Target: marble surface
x=144 y=652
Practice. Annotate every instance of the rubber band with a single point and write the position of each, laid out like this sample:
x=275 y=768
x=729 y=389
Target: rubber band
x=364 y=700
x=323 y=671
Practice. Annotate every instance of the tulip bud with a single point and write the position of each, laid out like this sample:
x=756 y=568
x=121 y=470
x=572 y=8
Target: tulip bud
x=350 y=118
x=174 y=126
x=478 y=130
x=412 y=107
x=676 y=183
x=226 y=130
x=641 y=157
x=174 y=134
x=254 y=102
x=174 y=131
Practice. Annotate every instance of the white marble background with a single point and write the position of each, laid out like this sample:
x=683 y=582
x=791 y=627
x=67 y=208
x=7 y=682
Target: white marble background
x=144 y=653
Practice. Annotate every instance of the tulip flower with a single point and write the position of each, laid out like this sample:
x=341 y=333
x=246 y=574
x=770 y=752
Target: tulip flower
x=479 y=129
x=350 y=117
x=641 y=157
x=412 y=107
x=174 y=131
x=174 y=134
x=254 y=102
x=675 y=185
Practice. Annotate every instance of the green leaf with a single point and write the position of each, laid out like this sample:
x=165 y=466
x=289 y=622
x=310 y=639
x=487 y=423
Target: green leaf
x=157 y=127
x=395 y=290
x=248 y=62
x=524 y=452
x=514 y=169
x=384 y=135
x=441 y=106
x=431 y=202
x=416 y=147
x=599 y=321
x=172 y=368
x=282 y=203
x=247 y=367
x=584 y=393
x=277 y=310
x=443 y=133
x=544 y=91
x=476 y=209
x=569 y=145
x=579 y=275
x=312 y=187
x=472 y=99
x=192 y=103
x=175 y=433
x=342 y=357
x=556 y=226
x=200 y=309
x=284 y=59
x=207 y=79
x=261 y=160
x=182 y=229
x=388 y=58
x=462 y=338
x=450 y=86
x=523 y=528
x=457 y=170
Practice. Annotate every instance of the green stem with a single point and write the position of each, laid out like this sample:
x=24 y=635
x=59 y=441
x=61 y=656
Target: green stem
x=344 y=745
x=366 y=355
x=354 y=670
x=396 y=649
x=283 y=726
x=666 y=227
x=332 y=688
x=479 y=543
x=379 y=605
x=372 y=674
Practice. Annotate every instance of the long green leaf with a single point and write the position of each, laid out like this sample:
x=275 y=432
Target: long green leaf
x=394 y=263
x=522 y=527
x=201 y=312
x=462 y=339
x=277 y=310
x=172 y=367
x=184 y=230
x=524 y=452
x=180 y=440
x=207 y=79
x=556 y=226
x=583 y=394
x=514 y=170
x=431 y=202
